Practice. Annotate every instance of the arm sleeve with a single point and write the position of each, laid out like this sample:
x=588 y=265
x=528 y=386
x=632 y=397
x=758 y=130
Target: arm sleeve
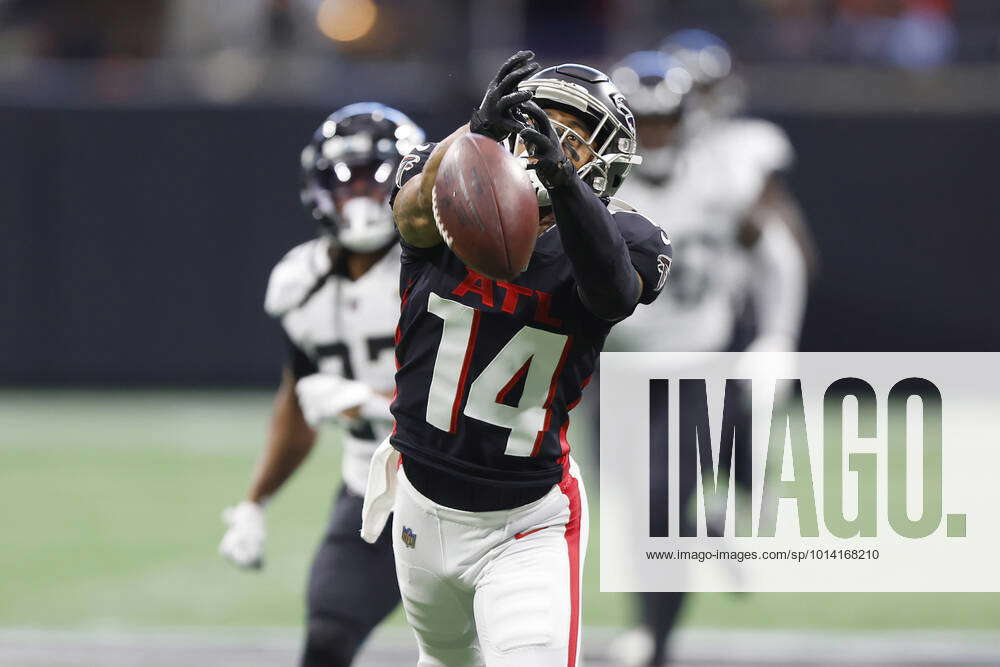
x=298 y=361
x=411 y=165
x=605 y=278
x=779 y=289
x=650 y=251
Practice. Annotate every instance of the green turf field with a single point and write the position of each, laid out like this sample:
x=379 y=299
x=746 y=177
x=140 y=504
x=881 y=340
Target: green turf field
x=109 y=517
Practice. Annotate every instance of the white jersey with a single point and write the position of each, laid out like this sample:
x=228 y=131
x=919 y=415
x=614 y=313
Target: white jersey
x=346 y=328
x=720 y=175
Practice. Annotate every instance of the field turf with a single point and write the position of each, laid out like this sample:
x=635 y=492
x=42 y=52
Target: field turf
x=109 y=519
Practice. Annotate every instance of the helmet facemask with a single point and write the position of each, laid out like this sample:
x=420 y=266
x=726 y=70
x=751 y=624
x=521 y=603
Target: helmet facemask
x=611 y=143
x=718 y=90
x=591 y=172
x=347 y=173
x=349 y=199
x=365 y=225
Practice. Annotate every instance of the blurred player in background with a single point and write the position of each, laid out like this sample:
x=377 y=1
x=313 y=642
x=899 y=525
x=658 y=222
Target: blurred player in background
x=490 y=515
x=338 y=302
x=742 y=255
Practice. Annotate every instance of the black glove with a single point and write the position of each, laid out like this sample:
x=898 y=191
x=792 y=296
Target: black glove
x=550 y=161
x=493 y=118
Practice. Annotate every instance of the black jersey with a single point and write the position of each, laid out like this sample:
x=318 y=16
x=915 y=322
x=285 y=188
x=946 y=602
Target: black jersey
x=488 y=370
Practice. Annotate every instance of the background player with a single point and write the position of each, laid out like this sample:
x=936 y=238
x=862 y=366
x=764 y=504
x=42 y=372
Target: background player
x=742 y=254
x=337 y=299
x=490 y=515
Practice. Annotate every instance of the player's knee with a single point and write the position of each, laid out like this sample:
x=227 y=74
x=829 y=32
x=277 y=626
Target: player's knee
x=330 y=643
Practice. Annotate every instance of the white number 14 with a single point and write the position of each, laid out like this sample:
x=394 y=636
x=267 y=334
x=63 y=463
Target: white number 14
x=532 y=355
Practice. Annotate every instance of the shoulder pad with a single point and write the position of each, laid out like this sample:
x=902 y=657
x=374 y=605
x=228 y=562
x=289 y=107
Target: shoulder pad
x=295 y=276
x=650 y=250
x=615 y=205
x=762 y=143
x=634 y=225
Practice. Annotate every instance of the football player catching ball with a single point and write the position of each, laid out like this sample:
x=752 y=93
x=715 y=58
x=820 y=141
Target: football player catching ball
x=490 y=514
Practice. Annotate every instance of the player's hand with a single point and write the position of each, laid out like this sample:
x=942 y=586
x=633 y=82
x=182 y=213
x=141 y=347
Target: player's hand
x=243 y=543
x=544 y=148
x=327 y=397
x=494 y=117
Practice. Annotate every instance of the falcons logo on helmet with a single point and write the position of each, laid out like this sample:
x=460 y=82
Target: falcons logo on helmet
x=619 y=100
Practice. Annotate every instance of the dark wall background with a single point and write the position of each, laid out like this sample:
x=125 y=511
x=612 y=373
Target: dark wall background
x=137 y=242
x=907 y=221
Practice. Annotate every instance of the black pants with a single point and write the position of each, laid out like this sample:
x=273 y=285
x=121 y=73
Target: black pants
x=352 y=587
x=661 y=611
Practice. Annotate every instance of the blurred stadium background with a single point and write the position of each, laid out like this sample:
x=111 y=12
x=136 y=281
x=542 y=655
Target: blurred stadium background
x=148 y=182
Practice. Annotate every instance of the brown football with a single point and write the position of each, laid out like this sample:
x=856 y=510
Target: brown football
x=485 y=207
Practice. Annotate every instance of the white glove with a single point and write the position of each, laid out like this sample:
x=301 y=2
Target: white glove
x=323 y=396
x=243 y=543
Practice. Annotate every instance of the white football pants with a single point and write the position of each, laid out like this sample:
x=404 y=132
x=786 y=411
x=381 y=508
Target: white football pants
x=500 y=589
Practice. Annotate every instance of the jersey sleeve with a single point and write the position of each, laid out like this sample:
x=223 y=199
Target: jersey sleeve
x=411 y=165
x=299 y=362
x=650 y=250
x=764 y=145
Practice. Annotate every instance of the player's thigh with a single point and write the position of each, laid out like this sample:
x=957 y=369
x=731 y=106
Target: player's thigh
x=350 y=581
x=524 y=605
x=439 y=610
x=529 y=599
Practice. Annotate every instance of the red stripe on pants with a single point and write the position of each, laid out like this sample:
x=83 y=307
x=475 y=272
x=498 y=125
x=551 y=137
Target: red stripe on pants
x=571 y=489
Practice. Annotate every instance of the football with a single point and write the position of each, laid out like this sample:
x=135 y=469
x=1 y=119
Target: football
x=485 y=207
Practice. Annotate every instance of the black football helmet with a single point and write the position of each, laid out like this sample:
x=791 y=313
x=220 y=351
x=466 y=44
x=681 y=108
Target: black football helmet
x=653 y=82
x=656 y=86
x=347 y=172
x=718 y=90
x=589 y=94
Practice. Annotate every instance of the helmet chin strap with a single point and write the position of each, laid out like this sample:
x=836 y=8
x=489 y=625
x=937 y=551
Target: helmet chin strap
x=365 y=225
